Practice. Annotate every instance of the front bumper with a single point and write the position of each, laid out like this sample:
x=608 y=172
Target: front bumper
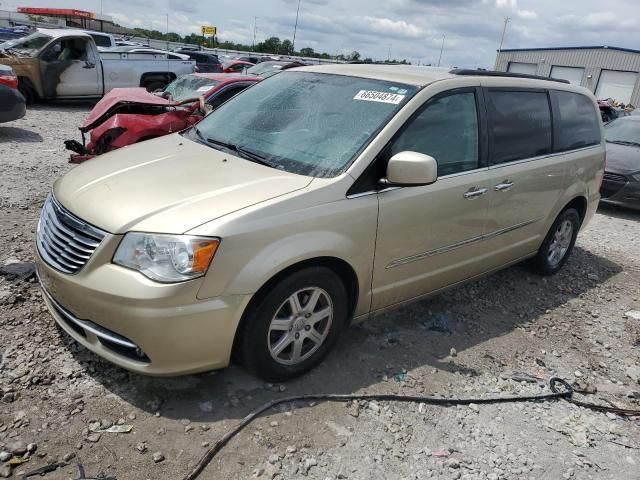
x=619 y=190
x=140 y=325
x=12 y=104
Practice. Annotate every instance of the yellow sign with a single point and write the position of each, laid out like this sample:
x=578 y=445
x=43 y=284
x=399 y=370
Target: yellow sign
x=207 y=30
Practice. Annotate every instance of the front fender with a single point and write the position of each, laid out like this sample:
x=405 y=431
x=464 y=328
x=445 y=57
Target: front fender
x=282 y=254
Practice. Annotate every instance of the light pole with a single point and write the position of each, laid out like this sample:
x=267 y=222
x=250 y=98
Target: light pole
x=295 y=28
x=255 y=29
x=441 y=50
x=504 y=31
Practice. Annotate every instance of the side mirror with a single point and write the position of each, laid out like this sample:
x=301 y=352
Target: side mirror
x=411 y=169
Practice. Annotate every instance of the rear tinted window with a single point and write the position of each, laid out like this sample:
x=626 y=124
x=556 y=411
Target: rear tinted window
x=101 y=40
x=520 y=124
x=577 y=123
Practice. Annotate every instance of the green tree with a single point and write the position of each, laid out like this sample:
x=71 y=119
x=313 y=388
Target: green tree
x=270 y=45
x=307 y=52
x=355 y=56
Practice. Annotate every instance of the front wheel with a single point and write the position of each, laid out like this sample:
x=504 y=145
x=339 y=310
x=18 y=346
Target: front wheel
x=558 y=244
x=294 y=324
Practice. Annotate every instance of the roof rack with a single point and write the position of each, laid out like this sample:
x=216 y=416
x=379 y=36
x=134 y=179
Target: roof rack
x=493 y=73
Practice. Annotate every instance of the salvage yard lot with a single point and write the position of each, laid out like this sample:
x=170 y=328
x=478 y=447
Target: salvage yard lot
x=467 y=342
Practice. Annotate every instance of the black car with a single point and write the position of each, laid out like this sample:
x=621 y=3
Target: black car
x=248 y=58
x=621 y=183
x=205 y=61
x=12 y=103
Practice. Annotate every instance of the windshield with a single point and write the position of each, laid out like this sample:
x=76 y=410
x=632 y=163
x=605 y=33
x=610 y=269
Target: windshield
x=26 y=46
x=189 y=86
x=306 y=123
x=265 y=67
x=623 y=130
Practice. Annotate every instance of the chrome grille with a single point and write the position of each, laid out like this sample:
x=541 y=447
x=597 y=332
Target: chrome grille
x=64 y=241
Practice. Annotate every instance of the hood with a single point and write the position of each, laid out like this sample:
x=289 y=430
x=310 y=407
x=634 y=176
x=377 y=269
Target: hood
x=168 y=185
x=623 y=159
x=121 y=100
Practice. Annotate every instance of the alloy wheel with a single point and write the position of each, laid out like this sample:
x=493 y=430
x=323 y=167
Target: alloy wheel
x=300 y=326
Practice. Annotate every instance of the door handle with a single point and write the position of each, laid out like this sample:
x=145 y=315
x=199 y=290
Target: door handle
x=475 y=192
x=89 y=65
x=504 y=186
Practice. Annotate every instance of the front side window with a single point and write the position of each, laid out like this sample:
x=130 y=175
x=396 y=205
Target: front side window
x=304 y=122
x=216 y=100
x=101 y=40
x=447 y=129
x=519 y=125
x=578 y=123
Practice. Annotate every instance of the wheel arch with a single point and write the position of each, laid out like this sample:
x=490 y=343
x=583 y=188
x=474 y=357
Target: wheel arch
x=580 y=204
x=339 y=266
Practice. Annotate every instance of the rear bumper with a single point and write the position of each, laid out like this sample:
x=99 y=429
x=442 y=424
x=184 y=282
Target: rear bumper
x=147 y=328
x=12 y=104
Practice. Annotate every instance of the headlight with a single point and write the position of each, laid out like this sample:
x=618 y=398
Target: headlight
x=636 y=176
x=166 y=258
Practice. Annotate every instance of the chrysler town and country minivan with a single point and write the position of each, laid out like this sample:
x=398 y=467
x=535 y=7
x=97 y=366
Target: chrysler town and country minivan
x=317 y=197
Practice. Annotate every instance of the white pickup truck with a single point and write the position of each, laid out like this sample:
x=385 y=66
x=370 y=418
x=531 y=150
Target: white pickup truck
x=62 y=63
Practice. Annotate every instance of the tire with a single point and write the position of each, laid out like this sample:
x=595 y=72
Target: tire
x=558 y=244
x=277 y=345
x=28 y=93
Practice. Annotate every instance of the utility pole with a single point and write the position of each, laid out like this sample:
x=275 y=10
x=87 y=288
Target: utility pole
x=504 y=31
x=295 y=28
x=441 y=50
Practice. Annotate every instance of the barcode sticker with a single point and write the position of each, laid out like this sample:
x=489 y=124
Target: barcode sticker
x=382 y=97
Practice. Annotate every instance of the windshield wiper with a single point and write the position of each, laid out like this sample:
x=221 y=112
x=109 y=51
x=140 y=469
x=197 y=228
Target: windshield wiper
x=243 y=152
x=201 y=138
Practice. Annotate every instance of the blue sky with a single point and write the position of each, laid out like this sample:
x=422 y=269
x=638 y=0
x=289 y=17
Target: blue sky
x=410 y=29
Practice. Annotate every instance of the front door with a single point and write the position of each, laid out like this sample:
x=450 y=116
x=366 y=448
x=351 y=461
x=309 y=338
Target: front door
x=70 y=68
x=428 y=236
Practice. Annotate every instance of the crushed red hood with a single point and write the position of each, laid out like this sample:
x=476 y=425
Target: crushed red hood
x=120 y=99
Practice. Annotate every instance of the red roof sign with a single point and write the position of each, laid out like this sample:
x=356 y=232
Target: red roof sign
x=55 y=12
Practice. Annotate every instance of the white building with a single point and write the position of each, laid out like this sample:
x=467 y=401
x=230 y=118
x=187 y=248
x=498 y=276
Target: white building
x=609 y=72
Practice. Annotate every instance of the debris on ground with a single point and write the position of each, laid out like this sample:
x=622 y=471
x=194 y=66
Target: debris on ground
x=18 y=271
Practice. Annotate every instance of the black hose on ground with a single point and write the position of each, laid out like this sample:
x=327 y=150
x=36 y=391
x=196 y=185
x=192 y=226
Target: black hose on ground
x=561 y=389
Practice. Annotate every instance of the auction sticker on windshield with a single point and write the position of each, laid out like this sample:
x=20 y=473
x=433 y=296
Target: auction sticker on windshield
x=384 y=97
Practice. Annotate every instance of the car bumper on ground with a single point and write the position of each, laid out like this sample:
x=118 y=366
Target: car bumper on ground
x=620 y=190
x=145 y=327
x=12 y=104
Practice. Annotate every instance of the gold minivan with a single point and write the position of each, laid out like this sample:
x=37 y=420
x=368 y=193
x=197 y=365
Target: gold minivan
x=320 y=196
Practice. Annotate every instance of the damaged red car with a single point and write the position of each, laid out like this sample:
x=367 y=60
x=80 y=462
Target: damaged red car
x=130 y=115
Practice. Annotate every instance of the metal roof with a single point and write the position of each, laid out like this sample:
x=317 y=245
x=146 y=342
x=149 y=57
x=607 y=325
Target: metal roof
x=544 y=49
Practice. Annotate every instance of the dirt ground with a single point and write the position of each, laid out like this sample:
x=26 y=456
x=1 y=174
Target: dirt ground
x=53 y=392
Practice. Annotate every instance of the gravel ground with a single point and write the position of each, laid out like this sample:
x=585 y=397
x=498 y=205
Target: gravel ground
x=468 y=342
